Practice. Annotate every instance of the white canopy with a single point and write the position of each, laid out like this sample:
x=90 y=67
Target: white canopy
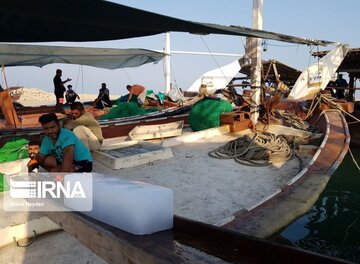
x=39 y=55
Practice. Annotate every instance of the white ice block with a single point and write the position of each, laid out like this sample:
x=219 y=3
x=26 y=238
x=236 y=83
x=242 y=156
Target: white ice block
x=82 y=192
x=136 y=207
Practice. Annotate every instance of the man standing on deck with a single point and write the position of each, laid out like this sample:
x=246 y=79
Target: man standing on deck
x=342 y=84
x=59 y=90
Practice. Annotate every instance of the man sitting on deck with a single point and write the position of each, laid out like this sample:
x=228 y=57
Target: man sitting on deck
x=103 y=99
x=71 y=95
x=85 y=127
x=137 y=90
x=61 y=150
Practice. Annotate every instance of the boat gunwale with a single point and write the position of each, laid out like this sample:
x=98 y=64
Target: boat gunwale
x=293 y=200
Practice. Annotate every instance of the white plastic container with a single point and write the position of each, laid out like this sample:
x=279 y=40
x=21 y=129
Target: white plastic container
x=136 y=207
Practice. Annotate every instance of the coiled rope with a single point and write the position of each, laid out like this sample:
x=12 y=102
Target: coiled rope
x=296 y=122
x=288 y=119
x=261 y=149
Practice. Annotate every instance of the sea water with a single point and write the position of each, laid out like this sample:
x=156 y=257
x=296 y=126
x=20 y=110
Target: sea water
x=136 y=207
x=332 y=225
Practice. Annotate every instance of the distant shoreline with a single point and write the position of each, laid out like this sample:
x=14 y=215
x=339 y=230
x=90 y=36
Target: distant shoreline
x=38 y=97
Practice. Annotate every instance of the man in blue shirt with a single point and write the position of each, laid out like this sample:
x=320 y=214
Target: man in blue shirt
x=61 y=150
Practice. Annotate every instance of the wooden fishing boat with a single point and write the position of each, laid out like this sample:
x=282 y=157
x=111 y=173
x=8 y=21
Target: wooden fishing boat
x=25 y=123
x=226 y=242
x=113 y=128
x=257 y=221
x=238 y=240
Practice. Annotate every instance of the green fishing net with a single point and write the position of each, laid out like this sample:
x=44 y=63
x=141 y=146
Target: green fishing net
x=3 y=183
x=206 y=113
x=127 y=109
x=14 y=150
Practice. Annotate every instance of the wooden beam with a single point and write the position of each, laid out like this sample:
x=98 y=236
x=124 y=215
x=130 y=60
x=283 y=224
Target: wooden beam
x=117 y=246
x=351 y=87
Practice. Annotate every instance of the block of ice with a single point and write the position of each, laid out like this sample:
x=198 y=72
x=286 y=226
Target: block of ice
x=136 y=207
x=81 y=186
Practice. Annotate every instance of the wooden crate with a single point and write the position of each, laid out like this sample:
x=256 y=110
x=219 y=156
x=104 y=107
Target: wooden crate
x=238 y=121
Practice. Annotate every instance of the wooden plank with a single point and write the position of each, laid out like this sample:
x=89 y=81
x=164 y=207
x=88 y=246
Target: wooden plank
x=133 y=157
x=171 y=129
x=117 y=246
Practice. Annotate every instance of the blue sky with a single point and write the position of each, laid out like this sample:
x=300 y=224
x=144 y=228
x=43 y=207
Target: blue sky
x=320 y=19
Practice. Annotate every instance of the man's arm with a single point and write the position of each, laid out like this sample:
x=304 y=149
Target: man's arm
x=47 y=162
x=81 y=121
x=100 y=95
x=67 y=165
x=67 y=80
x=40 y=158
x=130 y=96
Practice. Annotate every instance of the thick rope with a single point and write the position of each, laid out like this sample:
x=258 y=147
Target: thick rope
x=354 y=160
x=296 y=122
x=261 y=149
x=317 y=100
x=274 y=117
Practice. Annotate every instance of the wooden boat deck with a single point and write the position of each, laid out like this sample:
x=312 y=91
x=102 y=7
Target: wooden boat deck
x=228 y=241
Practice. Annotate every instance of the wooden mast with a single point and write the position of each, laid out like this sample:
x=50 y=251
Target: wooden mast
x=254 y=51
x=167 y=62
